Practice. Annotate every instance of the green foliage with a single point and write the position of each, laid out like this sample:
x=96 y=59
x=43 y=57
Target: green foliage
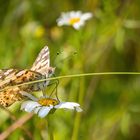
x=108 y=42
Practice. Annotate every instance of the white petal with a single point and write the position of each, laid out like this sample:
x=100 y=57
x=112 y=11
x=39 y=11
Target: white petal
x=78 y=25
x=29 y=106
x=86 y=16
x=72 y=14
x=37 y=109
x=69 y=105
x=62 y=21
x=44 y=111
x=78 y=109
x=78 y=14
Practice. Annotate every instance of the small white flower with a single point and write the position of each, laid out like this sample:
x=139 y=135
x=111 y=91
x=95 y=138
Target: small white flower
x=73 y=18
x=44 y=105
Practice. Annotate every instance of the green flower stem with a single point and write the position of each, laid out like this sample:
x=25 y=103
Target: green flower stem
x=78 y=115
x=50 y=129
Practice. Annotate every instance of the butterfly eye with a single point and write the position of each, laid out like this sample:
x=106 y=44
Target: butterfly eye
x=49 y=71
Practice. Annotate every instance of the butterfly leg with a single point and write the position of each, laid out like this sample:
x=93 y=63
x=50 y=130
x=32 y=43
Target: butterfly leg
x=56 y=82
x=55 y=88
x=44 y=93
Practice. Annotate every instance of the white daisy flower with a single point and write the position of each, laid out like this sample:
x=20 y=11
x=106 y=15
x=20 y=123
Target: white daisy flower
x=73 y=18
x=44 y=105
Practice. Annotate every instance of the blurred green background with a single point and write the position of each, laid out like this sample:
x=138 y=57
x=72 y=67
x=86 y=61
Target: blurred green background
x=108 y=42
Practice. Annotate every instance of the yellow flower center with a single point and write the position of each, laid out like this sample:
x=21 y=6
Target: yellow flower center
x=48 y=101
x=74 y=20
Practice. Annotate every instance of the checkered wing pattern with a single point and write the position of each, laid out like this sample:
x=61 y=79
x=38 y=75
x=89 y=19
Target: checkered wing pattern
x=42 y=62
x=10 y=92
x=6 y=76
x=10 y=95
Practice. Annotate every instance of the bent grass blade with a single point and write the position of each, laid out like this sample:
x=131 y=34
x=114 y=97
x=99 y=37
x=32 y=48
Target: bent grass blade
x=74 y=76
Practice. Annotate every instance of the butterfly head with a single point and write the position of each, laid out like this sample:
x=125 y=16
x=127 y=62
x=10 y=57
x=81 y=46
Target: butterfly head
x=50 y=71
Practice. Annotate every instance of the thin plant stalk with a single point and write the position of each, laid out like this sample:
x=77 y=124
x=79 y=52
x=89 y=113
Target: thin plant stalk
x=78 y=115
x=50 y=129
x=76 y=75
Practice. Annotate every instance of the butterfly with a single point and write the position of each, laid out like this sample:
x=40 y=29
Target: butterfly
x=10 y=92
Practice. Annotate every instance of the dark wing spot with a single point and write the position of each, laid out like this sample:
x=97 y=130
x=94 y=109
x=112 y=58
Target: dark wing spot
x=24 y=78
x=7 y=104
x=26 y=72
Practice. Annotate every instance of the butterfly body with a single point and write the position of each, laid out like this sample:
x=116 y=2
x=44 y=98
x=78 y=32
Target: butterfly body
x=13 y=81
x=25 y=76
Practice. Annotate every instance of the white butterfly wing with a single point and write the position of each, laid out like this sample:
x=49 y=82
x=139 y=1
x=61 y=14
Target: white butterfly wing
x=42 y=62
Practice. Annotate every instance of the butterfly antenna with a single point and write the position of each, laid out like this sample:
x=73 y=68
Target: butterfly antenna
x=66 y=58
